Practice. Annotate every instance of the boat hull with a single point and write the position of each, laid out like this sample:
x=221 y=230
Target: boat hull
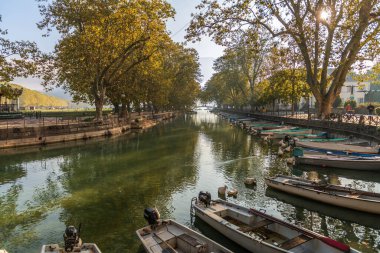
x=236 y=236
x=173 y=233
x=352 y=164
x=352 y=203
x=344 y=148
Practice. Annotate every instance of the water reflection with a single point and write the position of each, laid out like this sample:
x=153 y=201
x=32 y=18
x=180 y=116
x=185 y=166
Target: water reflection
x=105 y=185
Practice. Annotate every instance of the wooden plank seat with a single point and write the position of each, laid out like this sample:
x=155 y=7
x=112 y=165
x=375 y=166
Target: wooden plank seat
x=294 y=242
x=188 y=239
x=255 y=226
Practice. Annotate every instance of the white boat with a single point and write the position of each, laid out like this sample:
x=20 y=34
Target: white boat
x=337 y=161
x=345 y=148
x=168 y=236
x=262 y=233
x=327 y=193
x=171 y=237
x=73 y=243
x=84 y=248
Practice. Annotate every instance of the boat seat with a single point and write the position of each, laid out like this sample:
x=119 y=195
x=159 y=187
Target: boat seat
x=189 y=239
x=294 y=242
x=255 y=226
x=169 y=250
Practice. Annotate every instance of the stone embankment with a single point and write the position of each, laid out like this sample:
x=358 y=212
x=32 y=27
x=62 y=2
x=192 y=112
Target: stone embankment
x=18 y=135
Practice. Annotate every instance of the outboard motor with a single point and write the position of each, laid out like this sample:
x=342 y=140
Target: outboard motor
x=152 y=216
x=287 y=138
x=71 y=238
x=205 y=197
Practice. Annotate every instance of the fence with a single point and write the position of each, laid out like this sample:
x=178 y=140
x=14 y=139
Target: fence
x=366 y=126
x=39 y=127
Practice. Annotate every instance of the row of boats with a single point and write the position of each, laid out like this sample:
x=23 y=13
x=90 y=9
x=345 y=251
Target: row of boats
x=320 y=149
x=257 y=231
x=252 y=229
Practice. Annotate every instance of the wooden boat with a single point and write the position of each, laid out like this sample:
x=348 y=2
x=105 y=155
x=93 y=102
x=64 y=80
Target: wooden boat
x=337 y=161
x=280 y=133
x=72 y=244
x=171 y=237
x=302 y=204
x=327 y=193
x=85 y=248
x=298 y=134
x=259 y=232
x=339 y=148
x=324 y=139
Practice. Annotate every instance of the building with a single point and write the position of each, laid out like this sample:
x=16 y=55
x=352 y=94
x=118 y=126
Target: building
x=9 y=98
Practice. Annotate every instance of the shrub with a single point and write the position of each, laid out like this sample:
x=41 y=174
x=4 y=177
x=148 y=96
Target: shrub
x=377 y=110
x=337 y=102
x=351 y=102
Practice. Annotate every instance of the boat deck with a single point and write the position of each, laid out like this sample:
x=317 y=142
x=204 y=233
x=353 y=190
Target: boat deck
x=255 y=227
x=330 y=189
x=172 y=237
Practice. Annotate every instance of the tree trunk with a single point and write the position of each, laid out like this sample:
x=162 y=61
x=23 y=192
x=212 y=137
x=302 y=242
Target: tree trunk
x=116 y=107
x=99 y=108
x=325 y=107
x=124 y=111
x=99 y=94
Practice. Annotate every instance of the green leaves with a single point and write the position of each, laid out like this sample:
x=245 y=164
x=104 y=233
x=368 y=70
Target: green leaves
x=113 y=51
x=345 y=36
x=17 y=58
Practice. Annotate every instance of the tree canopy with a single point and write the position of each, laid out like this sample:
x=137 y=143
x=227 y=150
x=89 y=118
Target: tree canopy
x=111 y=50
x=326 y=34
x=17 y=58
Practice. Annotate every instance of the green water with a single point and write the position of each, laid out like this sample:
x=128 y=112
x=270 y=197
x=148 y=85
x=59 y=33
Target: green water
x=105 y=185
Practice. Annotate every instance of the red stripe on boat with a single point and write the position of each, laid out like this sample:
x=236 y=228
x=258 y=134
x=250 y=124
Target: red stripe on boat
x=338 y=245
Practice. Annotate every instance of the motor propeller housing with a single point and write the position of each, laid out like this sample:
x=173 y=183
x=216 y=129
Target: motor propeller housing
x=71 y=238
x=151 y=215
x=205 y=197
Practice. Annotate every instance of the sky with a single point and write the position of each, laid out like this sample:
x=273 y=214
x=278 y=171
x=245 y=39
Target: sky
x=20 y=17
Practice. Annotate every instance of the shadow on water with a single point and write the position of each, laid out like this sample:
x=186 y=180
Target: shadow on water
x=104 y=185
x=365 y=219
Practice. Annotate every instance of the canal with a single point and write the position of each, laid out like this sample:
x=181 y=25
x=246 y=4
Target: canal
x=105 y=186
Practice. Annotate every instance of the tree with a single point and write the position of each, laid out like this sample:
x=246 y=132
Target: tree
x=102 y=41
x=17 y=58
x=331 y=34
x=250 y=48
x=287 y=86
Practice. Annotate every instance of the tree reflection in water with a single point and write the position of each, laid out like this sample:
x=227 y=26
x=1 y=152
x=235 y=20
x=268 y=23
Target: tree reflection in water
x=105 y=185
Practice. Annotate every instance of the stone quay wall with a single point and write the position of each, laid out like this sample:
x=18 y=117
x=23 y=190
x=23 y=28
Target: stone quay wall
x=70 y=130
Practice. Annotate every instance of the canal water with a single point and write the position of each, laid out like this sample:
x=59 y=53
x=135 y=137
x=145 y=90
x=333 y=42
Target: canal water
x=105 y=186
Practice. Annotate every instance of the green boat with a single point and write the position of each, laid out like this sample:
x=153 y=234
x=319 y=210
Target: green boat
x=324 y=140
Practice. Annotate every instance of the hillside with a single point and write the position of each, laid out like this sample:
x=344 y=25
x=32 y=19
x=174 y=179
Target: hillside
x=35 y=98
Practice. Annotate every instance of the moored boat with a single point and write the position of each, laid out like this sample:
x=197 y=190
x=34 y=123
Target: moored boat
x=308 y=205
x=338 y=161
x=327 y=193
x=324 y=139
x=259 y=232
x=73 y=243
x=339 y=148
x=282 y=132
x=168 y=236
